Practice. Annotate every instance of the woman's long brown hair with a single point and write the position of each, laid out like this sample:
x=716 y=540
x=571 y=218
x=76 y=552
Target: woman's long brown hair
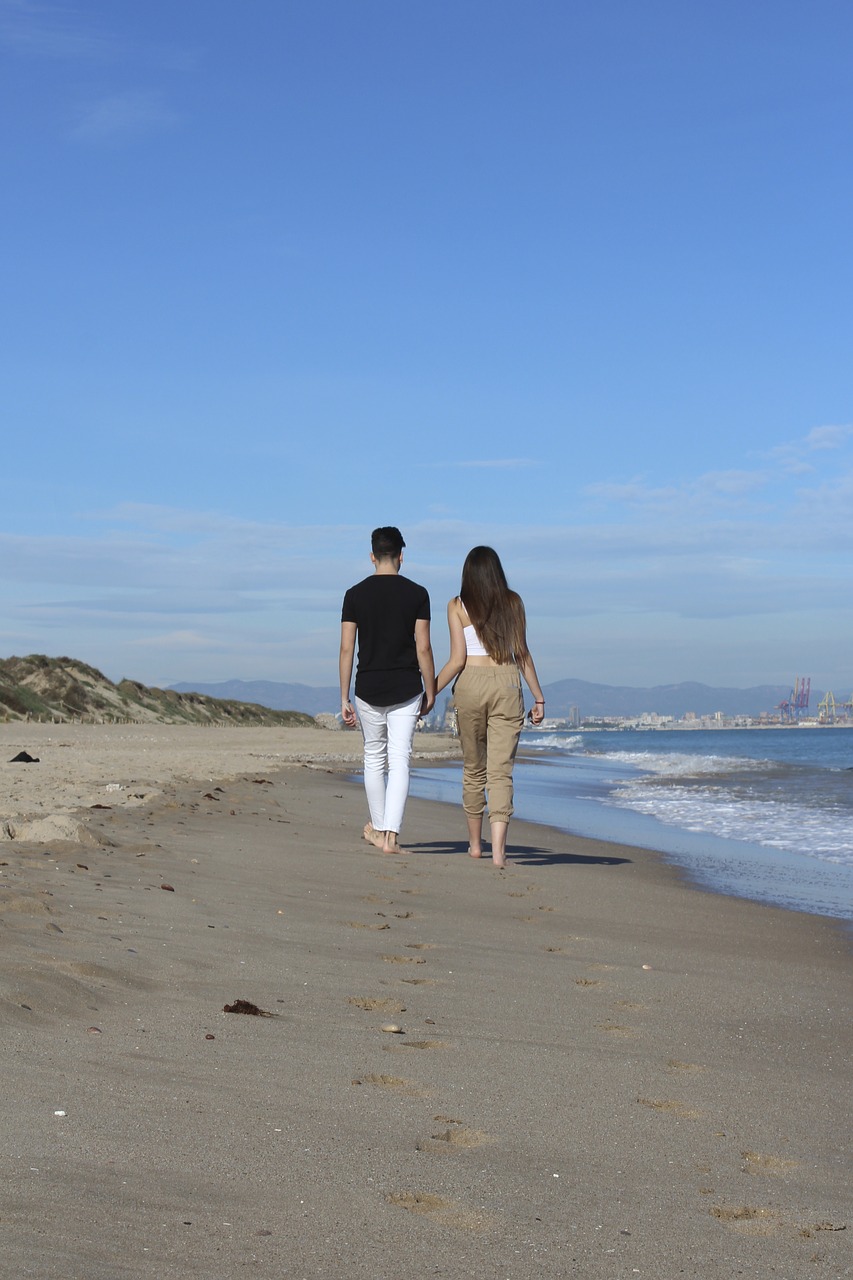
x=496 y=612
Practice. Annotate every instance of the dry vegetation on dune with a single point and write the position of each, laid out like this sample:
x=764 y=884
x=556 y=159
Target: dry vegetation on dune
x=64 y=689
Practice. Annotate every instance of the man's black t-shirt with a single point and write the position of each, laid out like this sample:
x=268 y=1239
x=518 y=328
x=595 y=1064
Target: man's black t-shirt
x=385 y=608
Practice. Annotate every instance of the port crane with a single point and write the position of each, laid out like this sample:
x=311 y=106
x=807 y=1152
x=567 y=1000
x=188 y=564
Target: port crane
x=826 y=710
x=797 y=702
x=831 y=710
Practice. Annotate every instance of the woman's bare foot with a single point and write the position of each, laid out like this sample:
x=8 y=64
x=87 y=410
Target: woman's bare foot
x=499 y=830
x=475 y=835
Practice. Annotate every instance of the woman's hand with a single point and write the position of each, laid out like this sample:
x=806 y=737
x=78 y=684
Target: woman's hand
x=536 y=714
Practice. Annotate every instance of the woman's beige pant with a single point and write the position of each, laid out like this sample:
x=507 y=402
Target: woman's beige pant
x=490 y=714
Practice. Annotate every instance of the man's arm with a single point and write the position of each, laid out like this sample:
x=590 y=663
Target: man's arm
x=347 y=655
x=426 y=663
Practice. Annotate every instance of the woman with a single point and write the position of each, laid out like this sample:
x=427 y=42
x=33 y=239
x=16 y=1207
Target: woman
x=489 y=654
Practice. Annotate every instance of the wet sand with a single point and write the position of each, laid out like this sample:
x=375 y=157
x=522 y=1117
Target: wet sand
x=601 y=1071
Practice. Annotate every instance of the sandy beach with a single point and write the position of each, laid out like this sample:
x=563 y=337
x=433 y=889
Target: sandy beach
x=597 y=1070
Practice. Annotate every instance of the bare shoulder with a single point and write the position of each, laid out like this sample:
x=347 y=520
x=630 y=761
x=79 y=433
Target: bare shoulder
x=456 y=609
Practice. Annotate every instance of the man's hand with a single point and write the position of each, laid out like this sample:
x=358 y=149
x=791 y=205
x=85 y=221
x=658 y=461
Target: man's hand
x=348 y=713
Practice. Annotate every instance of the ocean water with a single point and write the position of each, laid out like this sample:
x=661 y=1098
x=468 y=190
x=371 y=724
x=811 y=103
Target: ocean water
x=762 y=814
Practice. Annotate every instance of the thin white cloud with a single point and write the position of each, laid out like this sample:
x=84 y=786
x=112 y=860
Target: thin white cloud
x=488 y=464
x=731 y=483
x=797 y=457
x=714 y=489
x=634 y=492
x=65 y=32
x=54 y=31
x=123 y=116
x=178 y=641
x=828 y=437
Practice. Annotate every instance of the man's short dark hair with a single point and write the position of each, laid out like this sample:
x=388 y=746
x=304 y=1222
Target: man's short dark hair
x=386 y=543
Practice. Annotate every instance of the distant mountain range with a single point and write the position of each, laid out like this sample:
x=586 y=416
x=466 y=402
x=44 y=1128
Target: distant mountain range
x=590 y=699
x=63 y=688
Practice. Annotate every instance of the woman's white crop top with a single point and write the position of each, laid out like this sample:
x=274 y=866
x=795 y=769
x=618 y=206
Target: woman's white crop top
x=473 y=643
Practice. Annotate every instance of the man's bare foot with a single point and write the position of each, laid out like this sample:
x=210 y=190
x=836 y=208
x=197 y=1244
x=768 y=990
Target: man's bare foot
x=384 y=841
x=374 y=837
x=475 y=853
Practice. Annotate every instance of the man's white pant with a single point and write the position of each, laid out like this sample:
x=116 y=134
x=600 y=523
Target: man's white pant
x=388 y=734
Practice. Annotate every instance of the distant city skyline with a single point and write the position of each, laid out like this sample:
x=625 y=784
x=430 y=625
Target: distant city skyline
x=571 y=699
x=572 y=281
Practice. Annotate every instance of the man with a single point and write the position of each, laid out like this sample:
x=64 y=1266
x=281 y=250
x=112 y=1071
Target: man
x=394 y=683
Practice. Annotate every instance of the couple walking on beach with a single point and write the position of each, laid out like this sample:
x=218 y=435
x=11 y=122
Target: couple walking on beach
x=388 y=615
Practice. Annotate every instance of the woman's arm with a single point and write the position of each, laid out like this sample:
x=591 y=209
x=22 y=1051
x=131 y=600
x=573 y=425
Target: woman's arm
x=528 y=670
x=458 y=655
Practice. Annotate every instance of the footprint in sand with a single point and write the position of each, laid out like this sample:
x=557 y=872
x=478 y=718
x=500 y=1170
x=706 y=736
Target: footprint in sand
x=419 y=982
x=747 y=1219
x=588 y=982
x=675 y=1064
x=443 y=1211
x=614 y=1029
x=457 y=1137
x=771 y=1166
x=403 y=960
x=415 y=1044
x=398 y=1085
x=420 y=946
x=358 y=924
x=671 y=1105
x=370 y=1003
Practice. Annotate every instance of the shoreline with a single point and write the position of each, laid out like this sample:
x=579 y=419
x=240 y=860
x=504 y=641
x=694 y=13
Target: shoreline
x=599 y=1067
x=689 y=727
x=123 y=767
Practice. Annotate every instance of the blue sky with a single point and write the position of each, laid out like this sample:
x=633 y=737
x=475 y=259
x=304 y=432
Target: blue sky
x=573 y=279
